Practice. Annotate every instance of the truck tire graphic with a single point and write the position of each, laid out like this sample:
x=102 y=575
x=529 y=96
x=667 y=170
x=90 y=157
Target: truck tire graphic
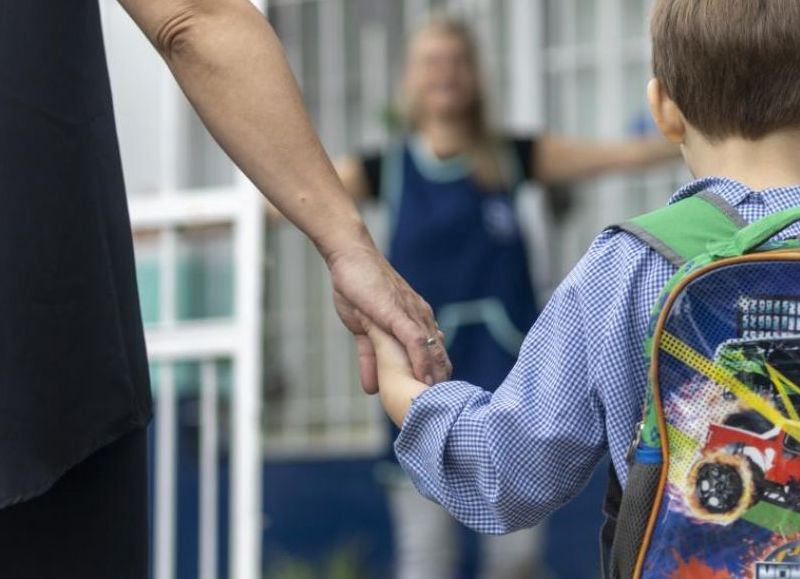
x=722 y=487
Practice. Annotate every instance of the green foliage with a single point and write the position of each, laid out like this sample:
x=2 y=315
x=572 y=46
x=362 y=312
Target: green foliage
x=344 y=563
x=287 y=568
x=392 y=119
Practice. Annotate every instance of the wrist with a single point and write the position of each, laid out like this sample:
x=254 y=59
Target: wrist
x=349 y=236
x=397 y=393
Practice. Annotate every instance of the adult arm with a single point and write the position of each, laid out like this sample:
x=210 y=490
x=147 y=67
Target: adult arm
x=354 y=177
x=558 y=160
x=231 y=66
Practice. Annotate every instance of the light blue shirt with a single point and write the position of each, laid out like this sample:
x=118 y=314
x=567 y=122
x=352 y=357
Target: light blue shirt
x=504 y=461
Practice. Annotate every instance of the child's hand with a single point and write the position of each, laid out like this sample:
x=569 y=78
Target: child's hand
x=396 y=382
x=390 y=354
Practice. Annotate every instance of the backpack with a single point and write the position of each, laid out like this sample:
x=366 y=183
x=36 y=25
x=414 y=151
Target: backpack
x=713 y=489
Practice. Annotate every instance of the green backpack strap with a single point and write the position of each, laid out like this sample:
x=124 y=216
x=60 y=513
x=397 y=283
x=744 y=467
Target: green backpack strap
x=684 y=230
x=756 y=234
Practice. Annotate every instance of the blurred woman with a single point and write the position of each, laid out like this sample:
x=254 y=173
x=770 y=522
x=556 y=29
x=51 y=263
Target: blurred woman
x=450 y=185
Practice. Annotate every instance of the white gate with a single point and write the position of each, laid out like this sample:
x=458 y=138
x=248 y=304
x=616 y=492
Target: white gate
x=180 y=183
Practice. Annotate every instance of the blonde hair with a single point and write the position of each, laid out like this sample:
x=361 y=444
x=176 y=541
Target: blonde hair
x=484 y=148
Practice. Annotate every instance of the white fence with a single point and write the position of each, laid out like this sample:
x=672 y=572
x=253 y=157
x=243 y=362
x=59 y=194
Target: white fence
x=169 y=195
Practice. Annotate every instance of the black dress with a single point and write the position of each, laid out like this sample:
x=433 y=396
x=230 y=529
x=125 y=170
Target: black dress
x=74 y=391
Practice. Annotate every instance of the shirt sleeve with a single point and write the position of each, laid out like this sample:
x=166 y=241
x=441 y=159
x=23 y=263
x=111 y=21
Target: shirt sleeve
x=524 y=148
x=372 y=163
x=504 y=461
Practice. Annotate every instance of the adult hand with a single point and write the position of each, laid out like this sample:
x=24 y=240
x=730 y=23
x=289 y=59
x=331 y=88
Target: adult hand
x=364 y=283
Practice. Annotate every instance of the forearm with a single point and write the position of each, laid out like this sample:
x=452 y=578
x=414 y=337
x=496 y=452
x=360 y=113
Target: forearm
x=562 y=160
x=642 y=153
x=228 y=61
x=398 y=391
x=354 y=178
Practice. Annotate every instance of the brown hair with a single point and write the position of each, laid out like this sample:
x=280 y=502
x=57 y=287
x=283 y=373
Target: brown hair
x=731 y=66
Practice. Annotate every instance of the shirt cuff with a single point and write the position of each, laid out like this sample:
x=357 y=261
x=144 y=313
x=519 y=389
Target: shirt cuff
x=420 y=447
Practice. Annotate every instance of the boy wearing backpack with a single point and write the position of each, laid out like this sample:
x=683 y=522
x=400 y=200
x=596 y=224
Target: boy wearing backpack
x=691 y=313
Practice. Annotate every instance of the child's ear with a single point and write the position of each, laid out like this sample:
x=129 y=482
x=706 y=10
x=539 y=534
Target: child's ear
x=666 y=114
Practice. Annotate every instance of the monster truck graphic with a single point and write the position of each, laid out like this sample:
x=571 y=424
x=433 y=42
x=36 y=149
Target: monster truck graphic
x=751 y=457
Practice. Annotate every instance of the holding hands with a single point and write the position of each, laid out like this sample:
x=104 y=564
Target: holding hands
x=398 y=387
x=371 y=298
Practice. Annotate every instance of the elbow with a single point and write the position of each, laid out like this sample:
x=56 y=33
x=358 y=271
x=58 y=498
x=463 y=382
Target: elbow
x=556 y=168
x=552 y=178
x=207 y=33
x=513 y=509
x=173 y=36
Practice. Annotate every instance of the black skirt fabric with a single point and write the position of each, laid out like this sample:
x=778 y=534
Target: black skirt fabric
x=73 y=366
x=92 y=524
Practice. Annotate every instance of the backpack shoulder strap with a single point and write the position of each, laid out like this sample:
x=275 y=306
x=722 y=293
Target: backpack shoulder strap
x=684 y=230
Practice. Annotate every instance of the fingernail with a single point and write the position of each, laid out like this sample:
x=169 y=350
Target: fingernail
x=429 y=380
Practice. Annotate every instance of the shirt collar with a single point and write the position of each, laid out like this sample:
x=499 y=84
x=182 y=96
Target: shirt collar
x=736 y=193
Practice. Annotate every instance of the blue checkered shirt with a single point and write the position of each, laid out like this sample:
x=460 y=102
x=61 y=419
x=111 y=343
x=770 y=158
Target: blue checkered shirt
x=504 y=461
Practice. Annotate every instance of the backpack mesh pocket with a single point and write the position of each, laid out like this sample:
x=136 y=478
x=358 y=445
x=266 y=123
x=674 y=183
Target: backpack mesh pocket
x=634 y=513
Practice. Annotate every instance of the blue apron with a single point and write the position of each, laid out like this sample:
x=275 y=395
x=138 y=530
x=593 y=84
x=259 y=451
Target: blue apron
x=459 y=246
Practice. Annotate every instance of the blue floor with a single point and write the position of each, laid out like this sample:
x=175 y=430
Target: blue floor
x=328 y=518
x=348 y=511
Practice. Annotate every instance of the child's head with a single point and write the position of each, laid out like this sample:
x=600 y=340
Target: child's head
x=725 y=68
